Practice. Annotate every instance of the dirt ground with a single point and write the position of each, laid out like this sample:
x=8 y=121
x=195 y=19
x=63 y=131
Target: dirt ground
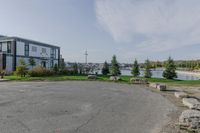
x=172 y=126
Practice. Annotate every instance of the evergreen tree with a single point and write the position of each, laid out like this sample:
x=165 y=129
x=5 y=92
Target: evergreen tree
x=21 y=69
x=170 y=69
x=135 y=69
x=22 y=62
x=105 y=69
x=115 y=69
x=32 y=62
x=55 y=68
x=62 y=65
x=147 y=72
x=75 y=68
x=80 y=69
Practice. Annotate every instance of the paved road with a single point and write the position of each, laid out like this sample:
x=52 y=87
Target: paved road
x=80 y=107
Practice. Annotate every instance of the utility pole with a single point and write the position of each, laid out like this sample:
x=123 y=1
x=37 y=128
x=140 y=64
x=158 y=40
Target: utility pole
x=86 y=55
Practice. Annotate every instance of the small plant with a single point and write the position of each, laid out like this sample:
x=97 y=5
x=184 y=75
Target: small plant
x=75 y=68
x=55 y=68
x=2 y=73
x=62 y=65
x=40 y=71
x=32 y=62
x=22 y=69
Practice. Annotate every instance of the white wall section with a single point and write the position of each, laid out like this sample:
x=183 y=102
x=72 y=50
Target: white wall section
x=20 y=48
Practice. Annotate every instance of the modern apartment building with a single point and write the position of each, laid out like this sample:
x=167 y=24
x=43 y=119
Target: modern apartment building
x=12 y=49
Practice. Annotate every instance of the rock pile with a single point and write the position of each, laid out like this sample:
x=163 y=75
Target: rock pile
x=115 y=78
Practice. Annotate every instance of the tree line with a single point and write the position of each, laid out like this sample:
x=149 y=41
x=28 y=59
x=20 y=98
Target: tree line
x=180 y=64
x=113 y=69
x=168 y=73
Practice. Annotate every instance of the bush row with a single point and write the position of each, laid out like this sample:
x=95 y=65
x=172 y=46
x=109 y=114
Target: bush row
x=40 y=71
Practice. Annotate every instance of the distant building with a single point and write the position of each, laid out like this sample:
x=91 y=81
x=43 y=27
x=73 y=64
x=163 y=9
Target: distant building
x=12 y=49
x=1 y=36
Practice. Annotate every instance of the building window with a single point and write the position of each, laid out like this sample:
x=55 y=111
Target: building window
x=52 y=64
x=0 y=47
x=26 y=49
x=52 y=53
x=8 y=47
x=34 y=49
x=44 y=50
x=55 y=53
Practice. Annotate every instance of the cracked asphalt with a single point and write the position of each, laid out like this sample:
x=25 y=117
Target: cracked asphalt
x=80 y=107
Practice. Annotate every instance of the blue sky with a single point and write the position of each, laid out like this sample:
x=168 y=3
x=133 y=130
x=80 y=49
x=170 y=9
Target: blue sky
x=141 y=29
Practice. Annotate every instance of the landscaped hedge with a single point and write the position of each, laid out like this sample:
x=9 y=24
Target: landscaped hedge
x=40 y=71
x=68 y=72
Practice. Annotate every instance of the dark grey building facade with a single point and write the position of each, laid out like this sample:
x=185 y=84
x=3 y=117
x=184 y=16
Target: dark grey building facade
x=12 y=49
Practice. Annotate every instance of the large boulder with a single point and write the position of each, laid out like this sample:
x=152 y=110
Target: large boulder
x=181 y=94
x=191 y=103
x=138 y=81
x=153 y=85
x=115 y=78
x=92 y=77
x=190 y=120
x=161 y=87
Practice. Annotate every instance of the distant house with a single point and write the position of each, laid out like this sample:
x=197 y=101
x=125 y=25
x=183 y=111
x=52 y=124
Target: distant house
x=1 y=36
x=12 y=49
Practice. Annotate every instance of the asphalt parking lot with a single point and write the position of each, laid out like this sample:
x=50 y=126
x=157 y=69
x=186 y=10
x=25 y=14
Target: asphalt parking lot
x=80 y=107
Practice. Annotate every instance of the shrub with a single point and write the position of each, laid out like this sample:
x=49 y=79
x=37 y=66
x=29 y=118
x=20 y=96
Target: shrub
x=55 y=68
x=75 y=68
x=2 y=73
x=68 y=72
x=40 y=71
x=21 y=70
x=32 y=62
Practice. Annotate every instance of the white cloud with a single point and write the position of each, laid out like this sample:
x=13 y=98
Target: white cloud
x=157 y=25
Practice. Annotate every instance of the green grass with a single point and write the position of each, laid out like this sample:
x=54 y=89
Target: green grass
x=50 y=78
x=125 y=79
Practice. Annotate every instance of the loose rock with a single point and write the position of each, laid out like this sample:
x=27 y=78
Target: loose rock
x=161 y=87
x=190 y=120
x=92 y=77
x=153 y=85
x=192 y=103
x=181 y=94
x=115 y=78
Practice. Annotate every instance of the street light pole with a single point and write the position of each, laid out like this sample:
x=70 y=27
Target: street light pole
x=86 y=55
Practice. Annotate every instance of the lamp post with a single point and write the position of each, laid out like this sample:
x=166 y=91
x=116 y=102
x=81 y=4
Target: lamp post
x=86 y=55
